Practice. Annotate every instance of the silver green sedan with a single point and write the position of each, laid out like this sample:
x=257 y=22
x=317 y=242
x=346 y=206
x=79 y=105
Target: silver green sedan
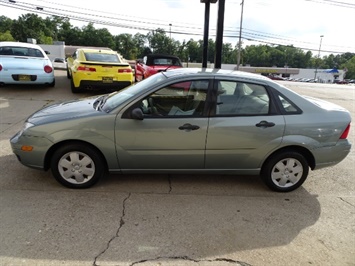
x=188 y=121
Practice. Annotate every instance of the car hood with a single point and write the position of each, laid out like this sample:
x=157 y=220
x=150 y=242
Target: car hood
x=65 y=111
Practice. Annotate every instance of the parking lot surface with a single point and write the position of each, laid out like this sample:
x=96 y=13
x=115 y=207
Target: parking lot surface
x=171 y=219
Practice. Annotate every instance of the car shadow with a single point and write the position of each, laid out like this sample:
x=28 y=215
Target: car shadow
x=130 y=218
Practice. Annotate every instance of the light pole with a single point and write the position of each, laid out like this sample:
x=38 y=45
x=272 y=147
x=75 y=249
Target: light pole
x=320 y=45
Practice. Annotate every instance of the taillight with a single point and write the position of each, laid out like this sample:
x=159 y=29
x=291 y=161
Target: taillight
x=125 y=70
x=48 y=69
x=0 y=67
x=345 y=133
x=86 y=68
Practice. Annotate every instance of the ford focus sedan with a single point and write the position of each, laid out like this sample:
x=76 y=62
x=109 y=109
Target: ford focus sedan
x=188 y=121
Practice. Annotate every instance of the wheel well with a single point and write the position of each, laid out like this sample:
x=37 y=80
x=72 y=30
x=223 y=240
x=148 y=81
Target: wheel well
x=305 y=152
x=49 y=155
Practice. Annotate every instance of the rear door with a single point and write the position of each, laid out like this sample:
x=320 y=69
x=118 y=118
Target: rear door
x=244 y=127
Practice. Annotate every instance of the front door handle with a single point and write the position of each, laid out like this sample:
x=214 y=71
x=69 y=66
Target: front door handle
x=265 y=124
x=188 y=127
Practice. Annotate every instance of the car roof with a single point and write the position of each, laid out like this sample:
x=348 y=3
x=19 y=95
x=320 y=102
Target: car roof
x=215 y=72
x=21 y=44
x=99 y=50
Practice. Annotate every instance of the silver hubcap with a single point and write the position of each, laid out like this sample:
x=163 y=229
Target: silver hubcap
x=76 y=167
x=287 y=172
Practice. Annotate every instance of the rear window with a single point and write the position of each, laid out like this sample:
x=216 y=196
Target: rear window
x=102 y=57
x=20 y=51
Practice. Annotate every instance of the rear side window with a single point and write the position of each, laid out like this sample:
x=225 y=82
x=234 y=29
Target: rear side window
x=287 y=106
x=239 y=98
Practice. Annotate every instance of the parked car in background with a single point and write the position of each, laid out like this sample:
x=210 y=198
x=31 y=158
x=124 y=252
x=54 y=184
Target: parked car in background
x=25 y=63
x=154 y=63
x=275 y=77
x=98 y=69
x=188 y=121
x=59 y=63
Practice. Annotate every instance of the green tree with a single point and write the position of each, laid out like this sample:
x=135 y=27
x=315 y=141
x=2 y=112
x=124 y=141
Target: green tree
x=5 y=24
x=6 y=36
x=159 y=42
x=29 y=26
x=349 y=66
x=125 y=45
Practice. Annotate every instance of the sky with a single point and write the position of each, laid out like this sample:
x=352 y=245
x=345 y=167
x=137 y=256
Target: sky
x=300 y=23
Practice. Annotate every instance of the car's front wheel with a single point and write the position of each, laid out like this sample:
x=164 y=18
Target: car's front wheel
x=77 y=165
x=285 y=171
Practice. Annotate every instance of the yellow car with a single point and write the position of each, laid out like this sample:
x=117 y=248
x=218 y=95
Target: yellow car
x=96 y=69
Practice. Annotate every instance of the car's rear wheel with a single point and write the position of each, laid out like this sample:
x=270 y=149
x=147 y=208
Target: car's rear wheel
x=73 y=88
x=285 y=171
x=77 y=166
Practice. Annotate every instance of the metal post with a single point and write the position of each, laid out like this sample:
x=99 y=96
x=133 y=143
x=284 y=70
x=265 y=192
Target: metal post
x=240 y=35
x=219 y=35
x=320 y=45
x=205 y=34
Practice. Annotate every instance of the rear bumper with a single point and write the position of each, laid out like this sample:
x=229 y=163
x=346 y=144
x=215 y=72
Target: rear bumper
x=34 y=79
x=329 y=156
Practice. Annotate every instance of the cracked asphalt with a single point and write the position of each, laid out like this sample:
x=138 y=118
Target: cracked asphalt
x=171 y=219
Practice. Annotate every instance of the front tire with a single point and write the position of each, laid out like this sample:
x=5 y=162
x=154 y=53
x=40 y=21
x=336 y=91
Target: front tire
x=77 y=166
x=285 y=171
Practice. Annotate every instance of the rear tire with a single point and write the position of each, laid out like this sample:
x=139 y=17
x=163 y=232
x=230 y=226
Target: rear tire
x=285 y=171
x=73 y=88
x=77 y=166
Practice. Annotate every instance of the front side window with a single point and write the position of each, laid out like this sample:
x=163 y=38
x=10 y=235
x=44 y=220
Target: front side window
x=178 y=99
x=240 y=98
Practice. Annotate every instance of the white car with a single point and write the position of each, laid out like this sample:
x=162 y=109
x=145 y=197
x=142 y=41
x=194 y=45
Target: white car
x=59 y=63
x=25 y=63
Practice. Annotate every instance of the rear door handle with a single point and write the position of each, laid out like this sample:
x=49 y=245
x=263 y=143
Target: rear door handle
x=265 y=124
x=188 y=127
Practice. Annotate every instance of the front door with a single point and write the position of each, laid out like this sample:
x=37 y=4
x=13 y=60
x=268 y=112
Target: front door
x=172 y=134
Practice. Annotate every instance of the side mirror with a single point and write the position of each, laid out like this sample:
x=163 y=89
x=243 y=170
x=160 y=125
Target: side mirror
x=137 y=114
x=139 y=61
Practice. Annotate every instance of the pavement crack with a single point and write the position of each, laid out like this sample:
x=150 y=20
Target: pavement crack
x=122 y=222
x=239 y=263
x=346 y=201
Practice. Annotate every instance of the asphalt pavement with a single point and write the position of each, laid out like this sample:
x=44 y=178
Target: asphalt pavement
x=171 y=219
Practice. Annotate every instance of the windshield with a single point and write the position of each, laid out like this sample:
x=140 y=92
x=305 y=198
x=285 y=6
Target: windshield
x=115 y=99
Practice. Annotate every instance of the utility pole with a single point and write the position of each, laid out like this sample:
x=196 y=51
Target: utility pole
x=320 y=45
x=240 y=35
